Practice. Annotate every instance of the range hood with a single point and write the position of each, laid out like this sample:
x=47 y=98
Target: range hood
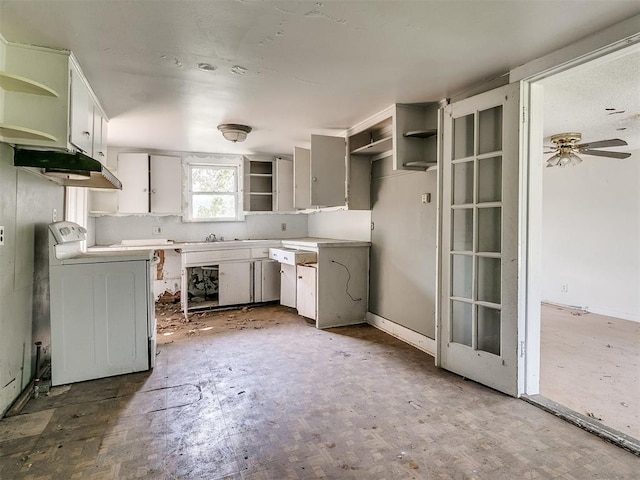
x=70 y=169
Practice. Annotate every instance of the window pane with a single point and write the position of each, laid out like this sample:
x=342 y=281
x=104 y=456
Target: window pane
x=213 y=206
x=213 y=179
x=462 y=234
x=462 y=183
x=490 y=130
x=462 y=276
x=489 y=330
x=461 y=323
x=463 y=136
x=489 y=231
x=489 y=279
x=490 y=179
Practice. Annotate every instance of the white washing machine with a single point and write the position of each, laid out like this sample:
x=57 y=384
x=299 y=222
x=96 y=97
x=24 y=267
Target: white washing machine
x=102 y=309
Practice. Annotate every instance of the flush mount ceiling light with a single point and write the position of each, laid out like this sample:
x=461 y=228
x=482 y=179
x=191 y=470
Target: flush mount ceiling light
x=234 y=132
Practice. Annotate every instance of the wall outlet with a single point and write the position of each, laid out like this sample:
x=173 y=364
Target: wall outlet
x=157 y=230
x=283 y=227
x=54 y=215
x=564 y=287
x=1 y=235
x=426 y=198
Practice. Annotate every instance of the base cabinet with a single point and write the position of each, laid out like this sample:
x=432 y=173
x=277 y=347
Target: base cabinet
x=288 y=285
x=306 y=290
x=234 y=283
x=266 y=281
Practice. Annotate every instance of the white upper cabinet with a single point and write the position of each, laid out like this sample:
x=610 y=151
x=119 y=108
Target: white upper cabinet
x=328 y=171
x=166 y=183
x=48 y=102
x=150 y=184
x=301 y=178
x=284 y=185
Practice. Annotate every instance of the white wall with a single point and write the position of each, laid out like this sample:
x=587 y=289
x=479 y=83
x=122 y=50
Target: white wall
x=343 y=224
x=110 y=230
x=591 y=236
x=26 y=203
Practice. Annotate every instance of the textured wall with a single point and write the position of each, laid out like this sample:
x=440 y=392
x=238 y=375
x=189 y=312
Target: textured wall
x=26 y=203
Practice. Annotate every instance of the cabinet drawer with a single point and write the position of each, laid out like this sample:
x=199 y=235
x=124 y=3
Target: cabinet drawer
x=262 y=252
x=212 y=256
x=292 y=257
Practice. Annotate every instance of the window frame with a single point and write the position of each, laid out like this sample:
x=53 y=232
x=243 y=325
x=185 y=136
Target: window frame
x=216 y=162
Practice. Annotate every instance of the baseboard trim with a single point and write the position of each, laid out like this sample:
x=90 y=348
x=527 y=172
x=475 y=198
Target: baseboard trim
x=426 y=344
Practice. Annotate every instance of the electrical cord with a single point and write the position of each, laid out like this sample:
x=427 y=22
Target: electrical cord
x=348 y=279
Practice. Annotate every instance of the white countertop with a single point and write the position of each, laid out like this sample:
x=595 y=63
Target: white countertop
x=308 y=242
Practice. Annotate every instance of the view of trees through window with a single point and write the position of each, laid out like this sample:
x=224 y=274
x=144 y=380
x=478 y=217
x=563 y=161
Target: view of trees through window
x=214 y=192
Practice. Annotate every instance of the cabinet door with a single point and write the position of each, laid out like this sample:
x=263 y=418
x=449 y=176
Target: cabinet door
x=99 y=151
x=133 y=172
x=270 y=281
x=81 y=111
x=284 y=185
x=328 y=171
x=306 y=291
x=288 y=285
x=302 y=178
x=166 y=184
x=234 y=283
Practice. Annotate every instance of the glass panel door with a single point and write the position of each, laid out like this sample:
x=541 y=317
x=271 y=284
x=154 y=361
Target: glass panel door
x=478 y=334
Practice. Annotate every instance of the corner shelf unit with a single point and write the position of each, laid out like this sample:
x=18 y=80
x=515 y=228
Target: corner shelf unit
x=18 y=84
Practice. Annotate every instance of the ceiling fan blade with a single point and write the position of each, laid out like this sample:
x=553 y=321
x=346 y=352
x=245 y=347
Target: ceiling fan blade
x=614 y=142
x=604 y=153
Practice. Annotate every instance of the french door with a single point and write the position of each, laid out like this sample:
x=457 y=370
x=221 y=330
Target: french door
x=478 y=328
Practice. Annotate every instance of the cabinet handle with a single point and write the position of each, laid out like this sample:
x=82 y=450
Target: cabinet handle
x=314 y=179
x=86 y=134
x=300 y=277
x=101 y=154
x=153 y=191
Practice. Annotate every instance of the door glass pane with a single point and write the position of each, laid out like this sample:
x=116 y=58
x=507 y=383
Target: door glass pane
x=462 y=235
x=489 y=330
x=461 y=322
x=490 y=130
x=489 y=279
x=462 y=183
x=462 y=276
x=463 y=137
x=489 y=229
x=490 y=179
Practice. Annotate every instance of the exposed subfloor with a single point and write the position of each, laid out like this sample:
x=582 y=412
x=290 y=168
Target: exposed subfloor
x=591 y=364
x=265 y=395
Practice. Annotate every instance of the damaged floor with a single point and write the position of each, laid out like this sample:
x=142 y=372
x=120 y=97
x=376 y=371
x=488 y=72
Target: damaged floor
x=262 y=394
x=590 y=363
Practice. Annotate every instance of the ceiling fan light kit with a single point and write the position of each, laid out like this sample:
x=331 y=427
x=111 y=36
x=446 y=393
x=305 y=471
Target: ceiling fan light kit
x=566 y=148
x=234 y=132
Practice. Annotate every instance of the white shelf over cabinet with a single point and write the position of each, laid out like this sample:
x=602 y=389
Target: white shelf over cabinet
x=15 y=131
x=374 y=148
x=17 y=83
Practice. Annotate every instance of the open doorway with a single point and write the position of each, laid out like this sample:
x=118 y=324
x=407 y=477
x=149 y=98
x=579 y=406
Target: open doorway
x=589 y=249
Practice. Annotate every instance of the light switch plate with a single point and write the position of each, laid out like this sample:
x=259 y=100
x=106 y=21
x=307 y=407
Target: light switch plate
x=1 y=235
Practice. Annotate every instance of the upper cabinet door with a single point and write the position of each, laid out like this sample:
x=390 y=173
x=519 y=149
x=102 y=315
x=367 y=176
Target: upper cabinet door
x=166 y=184
x=328 y=171
x=302 y=178
x=81 y=111
x=133 y=172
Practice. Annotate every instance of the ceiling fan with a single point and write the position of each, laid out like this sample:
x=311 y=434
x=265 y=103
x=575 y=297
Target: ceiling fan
x=566 y=148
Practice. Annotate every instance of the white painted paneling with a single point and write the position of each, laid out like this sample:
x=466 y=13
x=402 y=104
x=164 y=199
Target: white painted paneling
x=591 y=236
x=24 y=272
x=343 y=224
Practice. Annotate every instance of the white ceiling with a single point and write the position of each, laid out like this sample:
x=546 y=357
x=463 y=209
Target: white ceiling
x=600 y=99
x=309 y=67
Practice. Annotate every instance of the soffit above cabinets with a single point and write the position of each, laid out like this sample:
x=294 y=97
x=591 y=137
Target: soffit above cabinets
x=168 y=76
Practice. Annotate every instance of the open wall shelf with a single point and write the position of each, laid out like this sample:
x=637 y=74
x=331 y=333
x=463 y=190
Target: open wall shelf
x=16 y=83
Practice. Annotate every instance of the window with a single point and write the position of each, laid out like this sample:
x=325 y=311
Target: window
x=214 y=192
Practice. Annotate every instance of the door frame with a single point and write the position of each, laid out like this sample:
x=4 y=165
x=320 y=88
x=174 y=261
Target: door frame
x=588 y=52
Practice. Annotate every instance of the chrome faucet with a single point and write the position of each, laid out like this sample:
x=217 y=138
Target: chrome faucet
x=211 y=238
